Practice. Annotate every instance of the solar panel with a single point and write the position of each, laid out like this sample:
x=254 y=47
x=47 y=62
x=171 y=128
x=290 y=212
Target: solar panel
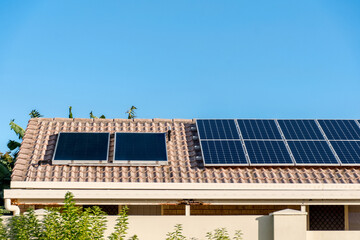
x=340 y=129
x=300 y=129
x=268 y=152
x=312 y=153
x=217 y=129
x=258 y=129
x=140 y=147
x=81 y=147
x=347 y=151
x=222 y=152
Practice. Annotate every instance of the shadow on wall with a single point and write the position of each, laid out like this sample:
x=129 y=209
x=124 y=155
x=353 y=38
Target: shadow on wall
x=265 y=228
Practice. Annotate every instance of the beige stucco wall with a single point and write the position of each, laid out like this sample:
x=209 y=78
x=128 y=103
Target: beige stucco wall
x=156 y=227
x=289 y=224
x=332 y=235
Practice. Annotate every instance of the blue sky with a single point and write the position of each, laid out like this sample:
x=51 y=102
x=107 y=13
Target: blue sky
x=179 y=59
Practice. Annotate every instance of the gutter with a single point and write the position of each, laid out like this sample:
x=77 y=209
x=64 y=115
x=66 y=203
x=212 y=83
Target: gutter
x=13 y=208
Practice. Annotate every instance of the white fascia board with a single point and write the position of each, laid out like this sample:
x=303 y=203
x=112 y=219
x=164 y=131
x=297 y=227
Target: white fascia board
x=182 y=186
x=177 y=194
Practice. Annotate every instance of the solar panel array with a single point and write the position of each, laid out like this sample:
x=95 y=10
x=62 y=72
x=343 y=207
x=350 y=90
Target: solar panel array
x=279 y=142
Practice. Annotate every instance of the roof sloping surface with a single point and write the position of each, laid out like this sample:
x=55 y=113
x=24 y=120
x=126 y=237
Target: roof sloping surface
x=37 y=149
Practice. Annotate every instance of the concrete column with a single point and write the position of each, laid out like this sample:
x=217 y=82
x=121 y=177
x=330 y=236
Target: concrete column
x=289 y=224
x=303 y=208
x=187 y=210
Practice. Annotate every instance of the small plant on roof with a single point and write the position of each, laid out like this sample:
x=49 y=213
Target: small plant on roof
x=35 y=114
x=94 y=117
x=70 y=112
x=131 y=112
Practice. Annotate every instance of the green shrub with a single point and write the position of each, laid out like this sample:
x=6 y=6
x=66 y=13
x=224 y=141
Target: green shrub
x=176 y=234
x=121 y=226
x=23 y=227
x=71 y=222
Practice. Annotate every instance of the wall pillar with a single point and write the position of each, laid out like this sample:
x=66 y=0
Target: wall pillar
x=187 y=210
x=289 y=224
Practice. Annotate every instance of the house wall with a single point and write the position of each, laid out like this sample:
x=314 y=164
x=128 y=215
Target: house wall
x=354 y=217
x=156 y=227
x=281 y=225
x=332 y=235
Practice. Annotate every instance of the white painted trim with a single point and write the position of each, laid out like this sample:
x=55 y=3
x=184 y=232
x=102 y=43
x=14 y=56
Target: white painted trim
x=184 y=186
x=177 y=194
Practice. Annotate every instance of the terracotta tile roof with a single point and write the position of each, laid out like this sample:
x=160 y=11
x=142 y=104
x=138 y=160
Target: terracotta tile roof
x=34 y=159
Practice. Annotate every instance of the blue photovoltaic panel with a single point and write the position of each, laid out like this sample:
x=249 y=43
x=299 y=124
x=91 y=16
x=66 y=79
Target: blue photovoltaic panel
x=268 y=152
x=223 y=152
x=300 y=129
x=347 y=151
x=340 y=129
x=217 y=129
x=82 y=147
x=312 y=152
x=140 y=147
x=258 y=129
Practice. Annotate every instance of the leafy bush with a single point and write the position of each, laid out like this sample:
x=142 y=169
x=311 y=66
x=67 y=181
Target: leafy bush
x=121 y=226
x=23 y=227
x=70 y=222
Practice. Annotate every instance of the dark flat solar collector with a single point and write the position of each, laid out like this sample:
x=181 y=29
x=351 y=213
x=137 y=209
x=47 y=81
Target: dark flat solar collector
x=140 y=148
x=81 y=148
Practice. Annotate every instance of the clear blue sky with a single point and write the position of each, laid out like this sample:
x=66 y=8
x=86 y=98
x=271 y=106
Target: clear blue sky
x=179 y=59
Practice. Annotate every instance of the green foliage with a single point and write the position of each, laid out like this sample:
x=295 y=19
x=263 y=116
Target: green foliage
x=3 y=232
x=19 y=131
x=70 y=112
x=176 y=234
x=217 y=234
x=7 y=161
x=121 y=226
x=24 y=227
x=35 y=114
x=135 y=237
x=93 y=116
x=51 y=225
x=131 y=112
x=223 y=234
x=70 y=222
x=12 y=145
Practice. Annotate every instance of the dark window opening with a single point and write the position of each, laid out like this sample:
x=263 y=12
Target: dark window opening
x=327 y=217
